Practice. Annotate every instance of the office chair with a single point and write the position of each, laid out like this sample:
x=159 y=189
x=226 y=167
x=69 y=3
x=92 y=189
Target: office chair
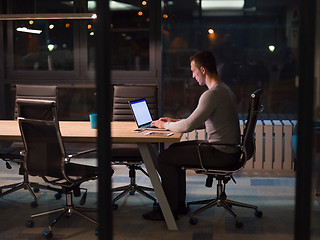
x=45 y=156
x=11 y=153
x=128 y=153
x=223 y=176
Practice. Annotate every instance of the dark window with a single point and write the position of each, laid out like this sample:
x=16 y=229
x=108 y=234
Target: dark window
x=255 y=45
x=130 y=36
x=43 y=45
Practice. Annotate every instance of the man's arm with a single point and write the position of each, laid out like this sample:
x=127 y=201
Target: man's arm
x=205 y=107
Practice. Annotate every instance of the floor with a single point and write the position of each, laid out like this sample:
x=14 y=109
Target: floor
x=273 y=193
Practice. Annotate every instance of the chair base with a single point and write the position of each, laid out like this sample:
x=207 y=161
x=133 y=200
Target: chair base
x=25 y=184
x=221 y=201
x=131 y=189
x=67 y=210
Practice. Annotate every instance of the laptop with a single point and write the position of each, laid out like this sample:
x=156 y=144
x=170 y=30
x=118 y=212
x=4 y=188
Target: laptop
x=142 y=115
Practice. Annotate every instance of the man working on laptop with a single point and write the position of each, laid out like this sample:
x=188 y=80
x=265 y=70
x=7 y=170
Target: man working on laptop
x=217 y=110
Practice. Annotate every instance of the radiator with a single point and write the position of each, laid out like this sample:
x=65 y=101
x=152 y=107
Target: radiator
x=273 y=144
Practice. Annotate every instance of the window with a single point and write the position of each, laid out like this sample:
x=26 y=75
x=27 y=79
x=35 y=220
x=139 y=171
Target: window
x=62 y=49
x=43 y=45
x=255 y=43
x=130 y=36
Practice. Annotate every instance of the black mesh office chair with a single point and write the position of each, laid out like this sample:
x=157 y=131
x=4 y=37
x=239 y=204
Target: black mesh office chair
x=128 y=153
x=11 y=153
x=223 y=176
x=45 y=156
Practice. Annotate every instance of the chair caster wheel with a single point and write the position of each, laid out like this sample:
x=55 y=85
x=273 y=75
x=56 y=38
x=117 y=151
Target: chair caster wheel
x=114 y=206
x=57 y=196
x=193 y=221
x=155 y=205
x=239 y=224
x=96 y=232
x=36 y=190
x=47 y=234
x=29 y=223
x=131 y=193
x=258 y=214
x=34 y=204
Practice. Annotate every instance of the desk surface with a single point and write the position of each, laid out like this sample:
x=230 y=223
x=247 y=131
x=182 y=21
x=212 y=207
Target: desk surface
x=81 y=131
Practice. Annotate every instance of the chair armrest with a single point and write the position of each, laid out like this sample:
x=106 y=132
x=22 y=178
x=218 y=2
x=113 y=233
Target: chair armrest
x=79 y=154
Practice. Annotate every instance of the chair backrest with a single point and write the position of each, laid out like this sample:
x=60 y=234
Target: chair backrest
x=248 y=140
x=35 y=92
x=124 y=93
x=39 y=126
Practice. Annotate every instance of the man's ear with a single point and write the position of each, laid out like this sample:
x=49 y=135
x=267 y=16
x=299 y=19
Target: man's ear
x=203 y=70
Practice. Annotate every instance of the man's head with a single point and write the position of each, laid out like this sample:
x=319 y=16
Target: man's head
x=205 y=59
x=203 y=64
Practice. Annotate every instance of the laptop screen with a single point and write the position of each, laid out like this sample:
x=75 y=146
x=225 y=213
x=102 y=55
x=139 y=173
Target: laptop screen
x=141 y=112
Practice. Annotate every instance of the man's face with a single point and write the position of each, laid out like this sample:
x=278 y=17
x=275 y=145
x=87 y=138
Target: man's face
x=198 y=74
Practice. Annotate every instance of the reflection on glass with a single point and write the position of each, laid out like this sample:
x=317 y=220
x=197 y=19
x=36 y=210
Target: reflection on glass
x=43 y=45
x=129 y=38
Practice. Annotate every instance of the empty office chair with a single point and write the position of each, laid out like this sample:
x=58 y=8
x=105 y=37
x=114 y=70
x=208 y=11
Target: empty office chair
x=223 y=176
x=128 y=153
x=11 y=153
x=45 y=156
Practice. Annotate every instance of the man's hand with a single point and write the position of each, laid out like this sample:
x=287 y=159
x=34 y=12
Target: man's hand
x=160 y=123
x=167 y=119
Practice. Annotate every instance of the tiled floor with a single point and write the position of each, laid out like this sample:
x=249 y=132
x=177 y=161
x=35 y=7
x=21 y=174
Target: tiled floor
x=273 y=194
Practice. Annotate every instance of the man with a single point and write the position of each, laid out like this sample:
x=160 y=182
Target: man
x=217 y=110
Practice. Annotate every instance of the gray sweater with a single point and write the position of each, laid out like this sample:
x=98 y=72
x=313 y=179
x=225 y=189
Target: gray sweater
x=217 y=109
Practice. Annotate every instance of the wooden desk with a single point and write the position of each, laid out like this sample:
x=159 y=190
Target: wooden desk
x=79 y=131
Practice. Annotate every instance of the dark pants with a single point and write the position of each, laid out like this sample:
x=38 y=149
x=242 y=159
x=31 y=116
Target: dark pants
x=184 y=154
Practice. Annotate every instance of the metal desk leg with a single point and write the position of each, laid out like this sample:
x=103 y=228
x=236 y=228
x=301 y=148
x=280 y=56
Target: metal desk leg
x=148 y=155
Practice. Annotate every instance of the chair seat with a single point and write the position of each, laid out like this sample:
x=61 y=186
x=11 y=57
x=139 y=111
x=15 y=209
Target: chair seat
x=124 y=152
x=79 y=171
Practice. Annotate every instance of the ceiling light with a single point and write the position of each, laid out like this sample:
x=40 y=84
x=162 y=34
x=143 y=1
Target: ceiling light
x=44 y=16
x=114 y=5
x=222 y=4
x=27 y=30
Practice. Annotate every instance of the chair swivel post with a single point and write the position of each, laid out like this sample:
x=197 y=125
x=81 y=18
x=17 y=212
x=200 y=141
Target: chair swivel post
x=133 y=187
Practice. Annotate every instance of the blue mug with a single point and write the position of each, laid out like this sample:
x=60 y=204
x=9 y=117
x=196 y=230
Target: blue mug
x=94 y=121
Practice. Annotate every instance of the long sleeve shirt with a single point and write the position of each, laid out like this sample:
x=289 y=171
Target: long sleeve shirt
x=217 y=110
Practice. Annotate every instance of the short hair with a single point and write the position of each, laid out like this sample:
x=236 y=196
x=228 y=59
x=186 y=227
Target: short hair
x=205 y=59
